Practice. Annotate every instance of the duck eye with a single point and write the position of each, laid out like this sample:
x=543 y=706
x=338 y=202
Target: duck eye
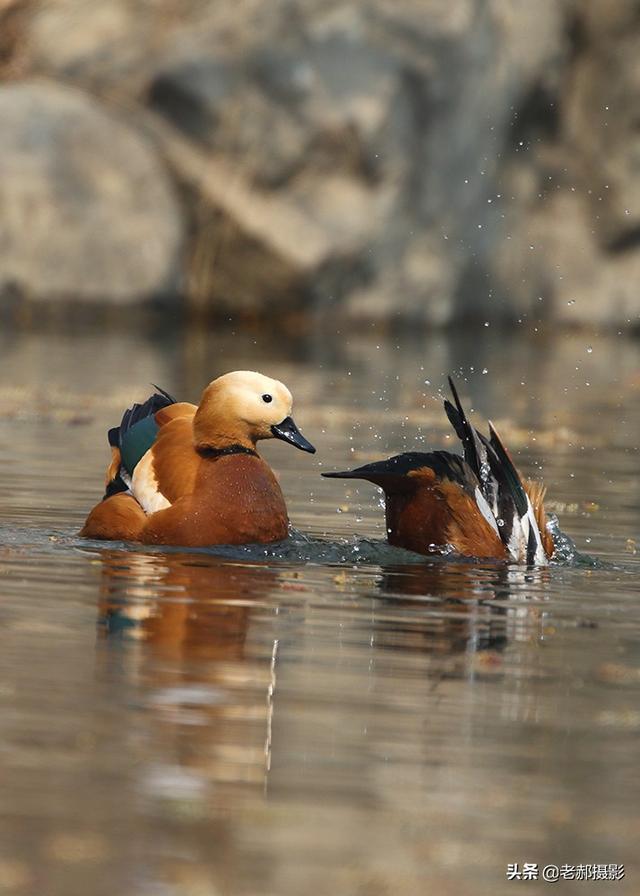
x=267 y=398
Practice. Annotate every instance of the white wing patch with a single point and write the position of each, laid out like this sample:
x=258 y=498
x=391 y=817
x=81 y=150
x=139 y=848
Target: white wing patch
x=145 y=487
x=540 y=558
x=485 y=510
x=519 y=539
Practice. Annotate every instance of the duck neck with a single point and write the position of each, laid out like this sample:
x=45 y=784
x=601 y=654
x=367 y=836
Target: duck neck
x=222 y=443
x=208 y=452
x=214 y=435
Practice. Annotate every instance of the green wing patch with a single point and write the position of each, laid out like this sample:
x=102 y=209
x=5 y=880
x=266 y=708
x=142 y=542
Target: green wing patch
x=136 y=442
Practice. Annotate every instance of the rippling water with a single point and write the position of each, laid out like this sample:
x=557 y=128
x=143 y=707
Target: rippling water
x=329 y=715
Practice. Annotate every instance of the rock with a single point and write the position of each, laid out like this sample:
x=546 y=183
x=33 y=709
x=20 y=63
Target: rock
x=315 y=153
x=557 y=268
x=571 y=251
x=313 y=104
x=340 y=156
x=13 y=26
x=202 y=98
x=88 y=212
x=601 y=126
x=254 y=246
x=120 y=45
x=394 y=158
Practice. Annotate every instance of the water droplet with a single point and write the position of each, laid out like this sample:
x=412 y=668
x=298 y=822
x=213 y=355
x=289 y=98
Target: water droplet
x=486 y=323
x=589 y=349
x=484 y=371
x=500 y=522
x=571 y=302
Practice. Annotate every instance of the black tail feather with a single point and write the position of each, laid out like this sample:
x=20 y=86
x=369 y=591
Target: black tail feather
x=532 y=546
x=509 y=471
x=170 y=398
x=137 y=412
x=466 y=433
x=114 y=487
x=490 y=460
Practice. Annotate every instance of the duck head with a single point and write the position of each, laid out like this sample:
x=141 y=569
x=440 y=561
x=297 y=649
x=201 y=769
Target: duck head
x=242 y=407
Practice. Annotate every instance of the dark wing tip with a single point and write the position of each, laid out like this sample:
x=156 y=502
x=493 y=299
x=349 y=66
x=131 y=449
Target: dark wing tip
x=165 y=394
x=472 y=446
x=511 y=474
x=456 y=400
x=148 y=408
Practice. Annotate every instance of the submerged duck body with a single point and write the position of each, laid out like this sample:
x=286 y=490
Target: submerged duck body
x=476 y=504
x=190 y=475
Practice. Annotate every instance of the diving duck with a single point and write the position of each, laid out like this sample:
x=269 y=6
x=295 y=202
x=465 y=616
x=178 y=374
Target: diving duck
x=476 y=504
x=190 y=475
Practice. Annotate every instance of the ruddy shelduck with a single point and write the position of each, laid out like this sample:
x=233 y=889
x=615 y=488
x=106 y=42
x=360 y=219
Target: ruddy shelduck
x=476 y=504
x=190 y=475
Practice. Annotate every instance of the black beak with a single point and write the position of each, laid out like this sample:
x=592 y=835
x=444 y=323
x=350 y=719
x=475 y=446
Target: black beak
x=289 y=432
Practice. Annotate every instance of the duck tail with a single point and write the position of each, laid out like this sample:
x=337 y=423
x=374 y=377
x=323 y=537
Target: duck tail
x=475 y=447
x=511 y=475
x=474 y=451
x=501 y=486
x=522 y=534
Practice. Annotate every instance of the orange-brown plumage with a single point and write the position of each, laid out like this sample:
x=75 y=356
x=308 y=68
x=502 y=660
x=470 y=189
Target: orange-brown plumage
x=476 y=504
x=536 y=492
x=190 y=475
x=235 y=499
x=114 y=467
x=431 y=513
x=175 y=462
x=174 y=411
x=118 y=518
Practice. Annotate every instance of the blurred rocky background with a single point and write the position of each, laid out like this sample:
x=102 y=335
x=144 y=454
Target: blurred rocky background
x=421 y=160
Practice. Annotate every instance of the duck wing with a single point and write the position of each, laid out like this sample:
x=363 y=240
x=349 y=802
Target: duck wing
x=522 y=534
x=475 y=452
x=502 y=486
x=133 y=446
x=132 y=438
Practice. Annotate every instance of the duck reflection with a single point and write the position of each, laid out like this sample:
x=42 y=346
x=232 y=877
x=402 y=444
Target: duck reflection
x=183 y=605
x=184 y=621
x=469 y=607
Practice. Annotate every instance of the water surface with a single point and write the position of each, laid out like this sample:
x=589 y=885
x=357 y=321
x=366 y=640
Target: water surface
x=328 y=715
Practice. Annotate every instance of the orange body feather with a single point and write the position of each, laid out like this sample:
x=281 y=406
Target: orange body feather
x=201 y=481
